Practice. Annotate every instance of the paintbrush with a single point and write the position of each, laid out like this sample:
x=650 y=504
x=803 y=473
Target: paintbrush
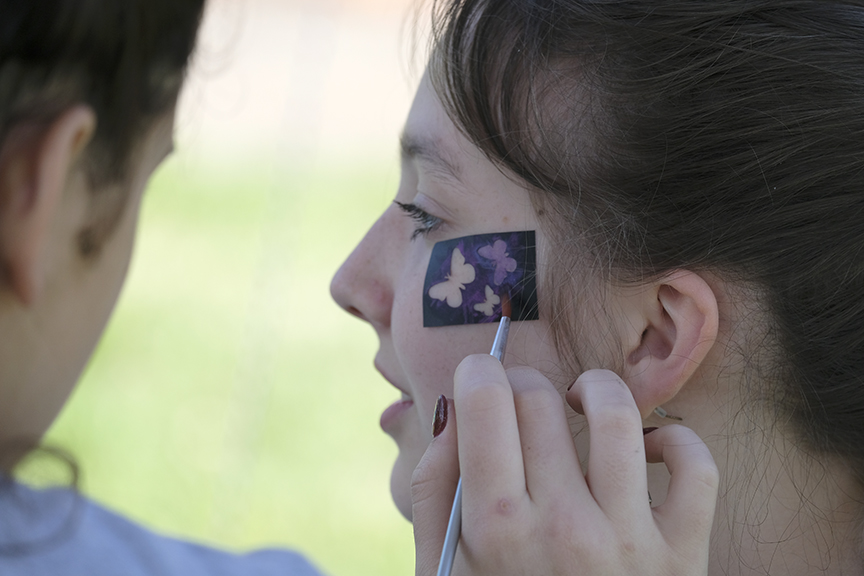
x=454 y=526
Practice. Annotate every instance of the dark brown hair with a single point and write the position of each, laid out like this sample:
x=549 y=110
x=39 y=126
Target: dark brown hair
x=725 y=136
x=124 y=59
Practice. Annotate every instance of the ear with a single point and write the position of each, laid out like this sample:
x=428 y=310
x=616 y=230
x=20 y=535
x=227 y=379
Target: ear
x=670 y=325
x=35 y=164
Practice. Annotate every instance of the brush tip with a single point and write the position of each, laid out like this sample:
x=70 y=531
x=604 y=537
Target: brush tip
x=505 y=305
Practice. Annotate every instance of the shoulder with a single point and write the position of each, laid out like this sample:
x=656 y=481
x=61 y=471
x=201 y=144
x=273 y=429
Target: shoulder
x=58 y=532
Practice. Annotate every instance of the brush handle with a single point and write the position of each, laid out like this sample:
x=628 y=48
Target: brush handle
x=499 y=346
x=454 y=526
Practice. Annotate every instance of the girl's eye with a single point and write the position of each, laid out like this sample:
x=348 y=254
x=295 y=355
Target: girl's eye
x=425 y=223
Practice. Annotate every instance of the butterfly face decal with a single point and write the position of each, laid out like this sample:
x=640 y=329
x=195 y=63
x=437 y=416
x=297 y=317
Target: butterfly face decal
x=492 y=299
x=454 y=282
x=497 y=252
x=468 y=276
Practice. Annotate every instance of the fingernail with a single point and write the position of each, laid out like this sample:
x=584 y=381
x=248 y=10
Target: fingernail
x=439 y=422
x=648 y=430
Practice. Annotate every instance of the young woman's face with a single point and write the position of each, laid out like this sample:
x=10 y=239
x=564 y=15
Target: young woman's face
x=453 y=191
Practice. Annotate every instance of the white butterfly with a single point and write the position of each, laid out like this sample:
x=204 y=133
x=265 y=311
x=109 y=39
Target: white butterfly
x=451 y=289
x=488 y=306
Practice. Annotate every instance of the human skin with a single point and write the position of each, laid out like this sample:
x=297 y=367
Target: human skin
x=55 y=299
x=526 y=507
x=681 y=342
x=382 y=280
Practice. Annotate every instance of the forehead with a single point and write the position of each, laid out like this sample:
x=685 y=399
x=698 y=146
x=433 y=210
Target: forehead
x=429 y=134
x=427 y=116
x=432 y=152
x=432 y=141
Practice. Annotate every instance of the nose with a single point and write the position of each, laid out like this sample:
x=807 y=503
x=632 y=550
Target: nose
x=362 y=286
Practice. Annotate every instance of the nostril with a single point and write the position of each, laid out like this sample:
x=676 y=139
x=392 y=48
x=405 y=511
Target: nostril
x=355 y=312
x=361 y=289
x=342 y=290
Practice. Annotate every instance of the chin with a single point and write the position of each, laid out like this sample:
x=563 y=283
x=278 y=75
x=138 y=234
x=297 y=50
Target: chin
x=400 y=484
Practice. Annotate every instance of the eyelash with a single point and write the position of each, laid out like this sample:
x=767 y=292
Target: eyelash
x=425 y=223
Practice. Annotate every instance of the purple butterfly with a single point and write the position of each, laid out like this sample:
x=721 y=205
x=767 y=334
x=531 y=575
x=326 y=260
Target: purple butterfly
x=503 y=264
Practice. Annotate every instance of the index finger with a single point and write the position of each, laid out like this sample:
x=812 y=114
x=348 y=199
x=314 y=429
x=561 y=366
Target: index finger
x=490 y=453
x=617 y=472
x=692 y=498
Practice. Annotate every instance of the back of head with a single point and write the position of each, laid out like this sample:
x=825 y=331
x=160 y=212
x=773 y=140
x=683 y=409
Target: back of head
x=723 y=136
x=124 y=59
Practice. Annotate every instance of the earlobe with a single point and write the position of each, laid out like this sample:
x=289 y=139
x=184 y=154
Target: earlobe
x=35 y=164
x=672 y=326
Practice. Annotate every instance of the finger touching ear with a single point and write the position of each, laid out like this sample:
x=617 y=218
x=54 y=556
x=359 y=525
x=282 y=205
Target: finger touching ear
x=35 y=165
x=671 y=326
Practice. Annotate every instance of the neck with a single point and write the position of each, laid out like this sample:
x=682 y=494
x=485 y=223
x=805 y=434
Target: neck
x=783 y=511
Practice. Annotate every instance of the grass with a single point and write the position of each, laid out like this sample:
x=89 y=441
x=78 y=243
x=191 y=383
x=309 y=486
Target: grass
x=231 y=402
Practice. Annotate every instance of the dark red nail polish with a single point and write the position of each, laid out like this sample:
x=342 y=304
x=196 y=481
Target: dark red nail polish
x=648 y=430
x=439 y=422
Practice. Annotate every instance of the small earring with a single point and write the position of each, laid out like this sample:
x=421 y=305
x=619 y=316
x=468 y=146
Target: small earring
x=663 y=414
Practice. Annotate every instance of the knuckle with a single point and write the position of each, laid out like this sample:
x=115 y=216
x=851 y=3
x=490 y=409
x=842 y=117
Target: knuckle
x=706 y=475
x=505 y=507
x=540 y=399
x=423 y=481
x=560 y=527
x=522 y=372
x=526 y=377
x=599 y=376
x=590 y=546
x=424 y=497
x=476 y=364
x=616 y=419
x=502 y=520
x=481 y=396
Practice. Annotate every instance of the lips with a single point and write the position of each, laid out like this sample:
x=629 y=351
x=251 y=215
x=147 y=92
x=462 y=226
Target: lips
x=393 y=414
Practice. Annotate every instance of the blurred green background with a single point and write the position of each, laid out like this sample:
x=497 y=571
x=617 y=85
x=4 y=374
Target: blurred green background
x=231 y=401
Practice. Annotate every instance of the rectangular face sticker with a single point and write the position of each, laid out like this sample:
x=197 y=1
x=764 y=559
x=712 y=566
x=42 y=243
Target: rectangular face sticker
x=469 y=277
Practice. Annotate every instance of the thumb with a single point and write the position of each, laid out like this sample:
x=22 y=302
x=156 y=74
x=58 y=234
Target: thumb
x=433 y=486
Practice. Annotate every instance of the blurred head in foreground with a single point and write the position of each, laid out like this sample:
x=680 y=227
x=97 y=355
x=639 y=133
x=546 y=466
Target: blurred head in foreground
x=87 y=96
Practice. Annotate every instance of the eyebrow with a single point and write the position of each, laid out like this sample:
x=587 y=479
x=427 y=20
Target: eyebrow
x=430 y=152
